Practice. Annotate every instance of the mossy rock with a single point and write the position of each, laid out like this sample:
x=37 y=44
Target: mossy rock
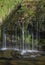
x=1 y=53
x=10 y=54
x=16 y=54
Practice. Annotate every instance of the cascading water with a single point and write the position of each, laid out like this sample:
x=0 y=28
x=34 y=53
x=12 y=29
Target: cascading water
x=4 y=40
x=32 y=41
x=37 y=36
x=24 y=47
x=33 y=44
x=16 y=37
x=23 y=34
x=29 y=40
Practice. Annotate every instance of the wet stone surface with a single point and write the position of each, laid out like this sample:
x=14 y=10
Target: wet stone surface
x=15 y=58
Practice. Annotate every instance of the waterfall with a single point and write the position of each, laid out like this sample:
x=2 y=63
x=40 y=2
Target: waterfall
x=4 y=40
x=37 y=35
x=23 y=34
x=29 y=43
x=16 y=38
x=22 y=45
x=32 y=41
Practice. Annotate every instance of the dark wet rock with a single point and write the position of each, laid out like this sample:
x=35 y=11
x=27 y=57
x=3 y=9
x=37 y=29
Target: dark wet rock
x=5 y=58
x=7 y=63
x=29 y=55
x=42 y=53
x=43 y=47
x=16 y=55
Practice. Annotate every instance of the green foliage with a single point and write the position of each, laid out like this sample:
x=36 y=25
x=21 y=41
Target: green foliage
x=28 y=39
x=6 y=6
